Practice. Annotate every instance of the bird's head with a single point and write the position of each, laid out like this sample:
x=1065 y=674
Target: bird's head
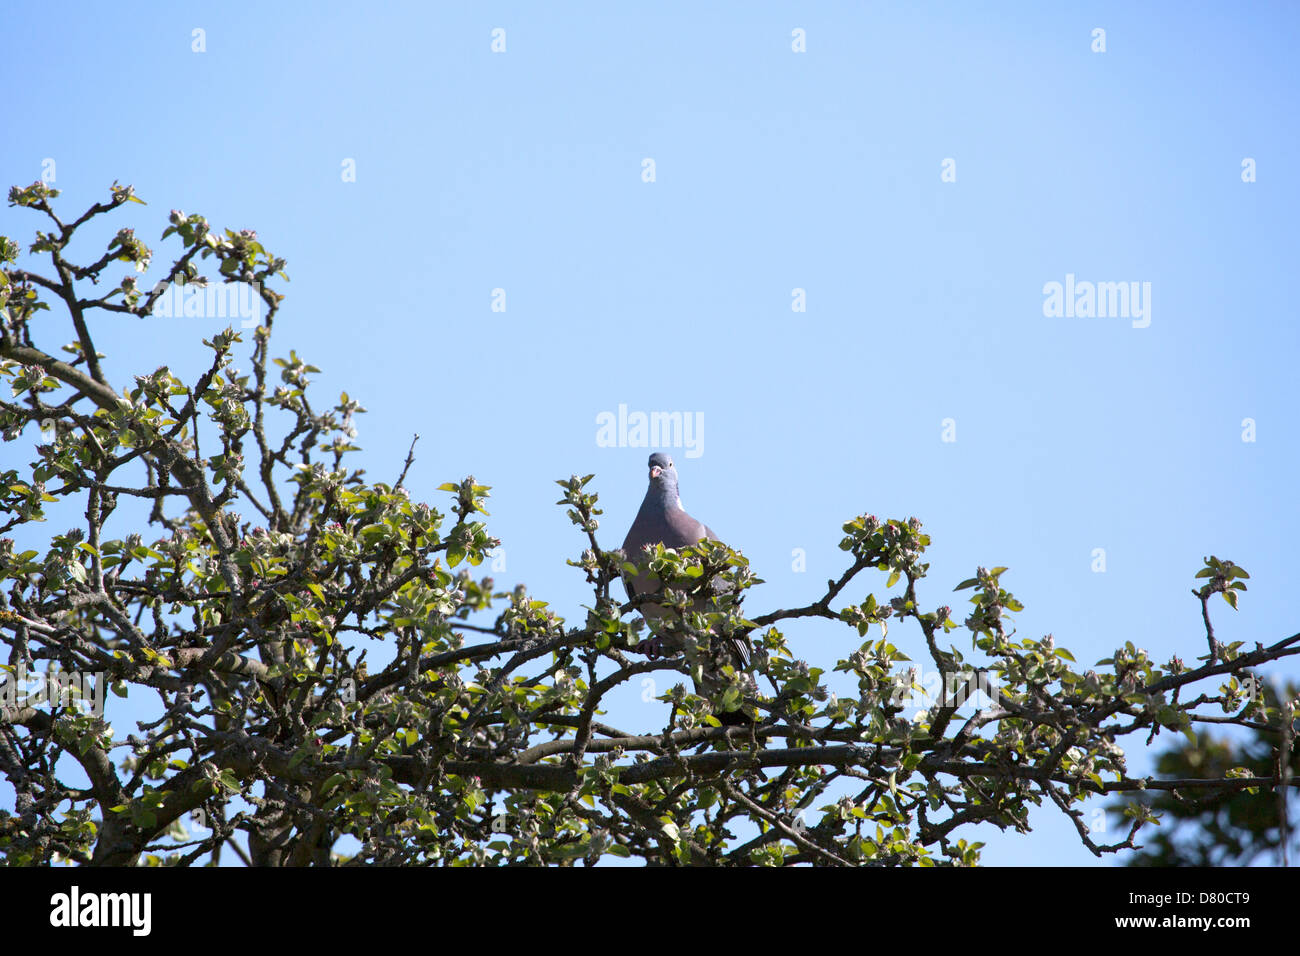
x=662 y=473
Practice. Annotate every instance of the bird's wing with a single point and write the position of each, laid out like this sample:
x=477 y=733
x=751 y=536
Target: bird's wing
x=739 y=647
x=673 y=528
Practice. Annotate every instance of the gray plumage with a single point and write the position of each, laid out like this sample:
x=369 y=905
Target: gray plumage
x=663 y=520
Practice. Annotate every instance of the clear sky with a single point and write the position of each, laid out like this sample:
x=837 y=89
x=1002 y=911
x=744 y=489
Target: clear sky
x=773 y=171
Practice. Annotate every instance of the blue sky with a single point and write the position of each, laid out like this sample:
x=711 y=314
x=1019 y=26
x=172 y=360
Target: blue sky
x=774 y=171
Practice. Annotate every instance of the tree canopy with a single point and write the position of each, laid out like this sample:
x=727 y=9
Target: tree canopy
x=233 y=569
x=1231 y=827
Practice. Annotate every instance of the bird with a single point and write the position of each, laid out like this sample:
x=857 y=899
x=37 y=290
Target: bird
x=663 y=520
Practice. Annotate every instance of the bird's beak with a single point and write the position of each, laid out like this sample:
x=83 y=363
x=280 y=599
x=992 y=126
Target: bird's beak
x=654 y=472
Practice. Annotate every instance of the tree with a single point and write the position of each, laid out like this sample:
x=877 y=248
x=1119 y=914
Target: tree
x=1232 y=827
x=473 y=742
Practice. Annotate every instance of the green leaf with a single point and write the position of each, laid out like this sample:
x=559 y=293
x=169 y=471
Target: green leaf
x=570 y=851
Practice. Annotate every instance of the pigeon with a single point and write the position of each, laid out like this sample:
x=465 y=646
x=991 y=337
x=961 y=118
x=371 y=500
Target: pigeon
x=663 y=520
